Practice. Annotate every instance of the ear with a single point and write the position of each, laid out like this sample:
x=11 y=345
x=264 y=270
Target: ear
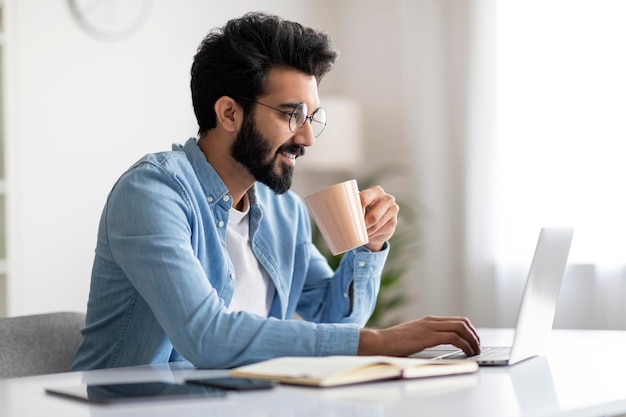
x=229 y=114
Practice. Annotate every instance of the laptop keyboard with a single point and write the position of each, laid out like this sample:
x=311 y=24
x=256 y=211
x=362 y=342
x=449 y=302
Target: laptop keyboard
x=486 y=353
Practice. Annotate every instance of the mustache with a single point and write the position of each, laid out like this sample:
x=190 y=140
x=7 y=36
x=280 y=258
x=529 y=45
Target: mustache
x=297 y=150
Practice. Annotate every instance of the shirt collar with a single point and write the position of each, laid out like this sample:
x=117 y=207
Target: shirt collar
x=212 y=184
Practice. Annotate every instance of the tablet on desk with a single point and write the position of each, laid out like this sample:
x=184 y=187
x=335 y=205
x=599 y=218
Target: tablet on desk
x=132 y=392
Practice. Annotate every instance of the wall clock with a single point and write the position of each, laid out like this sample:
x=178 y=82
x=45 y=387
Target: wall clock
x=110 y=19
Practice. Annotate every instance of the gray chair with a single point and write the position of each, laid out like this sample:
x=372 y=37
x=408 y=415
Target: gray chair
x=39 y=344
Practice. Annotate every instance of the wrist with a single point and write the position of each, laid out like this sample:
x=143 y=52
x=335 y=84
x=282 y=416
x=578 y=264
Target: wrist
x=375 y=247
x=370 y=342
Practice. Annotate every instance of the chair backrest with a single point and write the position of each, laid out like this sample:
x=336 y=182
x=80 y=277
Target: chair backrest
x=39 y=344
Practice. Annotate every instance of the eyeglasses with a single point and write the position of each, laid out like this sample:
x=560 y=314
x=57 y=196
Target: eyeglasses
x=298 y=117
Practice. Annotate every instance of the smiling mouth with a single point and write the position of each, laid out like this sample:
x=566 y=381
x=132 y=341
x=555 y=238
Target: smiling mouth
x=292 y=152
x=290 y=155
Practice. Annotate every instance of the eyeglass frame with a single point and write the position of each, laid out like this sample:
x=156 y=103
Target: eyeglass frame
x=291 y=114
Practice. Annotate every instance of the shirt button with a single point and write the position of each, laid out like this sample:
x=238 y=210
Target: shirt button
x=220 y=224
x=209 y=199
x=361 y=264
x=345 y=295
x=226 y=197
x=231 y=275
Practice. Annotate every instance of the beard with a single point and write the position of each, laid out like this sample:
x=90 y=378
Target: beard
x=253 y=150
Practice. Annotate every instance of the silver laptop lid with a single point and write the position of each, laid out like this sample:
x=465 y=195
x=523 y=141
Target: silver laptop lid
x=538 y=306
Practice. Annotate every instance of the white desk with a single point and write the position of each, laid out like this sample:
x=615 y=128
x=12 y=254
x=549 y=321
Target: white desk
x=561 y=383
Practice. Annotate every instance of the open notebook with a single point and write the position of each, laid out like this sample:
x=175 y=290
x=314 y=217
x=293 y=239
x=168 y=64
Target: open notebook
x=537 y=308
x=329 y=371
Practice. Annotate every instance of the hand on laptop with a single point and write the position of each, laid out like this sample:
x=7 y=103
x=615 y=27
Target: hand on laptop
x=411 y=337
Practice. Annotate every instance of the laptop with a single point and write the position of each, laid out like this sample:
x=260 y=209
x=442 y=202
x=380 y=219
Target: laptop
x=537 y=309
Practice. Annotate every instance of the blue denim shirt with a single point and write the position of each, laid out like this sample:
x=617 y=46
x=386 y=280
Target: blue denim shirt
x=162 y=278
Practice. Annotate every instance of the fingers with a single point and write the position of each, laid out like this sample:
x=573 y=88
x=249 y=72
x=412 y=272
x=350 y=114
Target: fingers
x=457 y=331
x=451 y=323
x=407 y=338
x=379 y=206
x=381 y=214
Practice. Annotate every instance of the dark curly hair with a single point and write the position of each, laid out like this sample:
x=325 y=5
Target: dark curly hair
x=234 y=60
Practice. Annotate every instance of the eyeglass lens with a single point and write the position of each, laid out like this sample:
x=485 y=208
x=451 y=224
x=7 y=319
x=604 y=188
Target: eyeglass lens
x=299 y=116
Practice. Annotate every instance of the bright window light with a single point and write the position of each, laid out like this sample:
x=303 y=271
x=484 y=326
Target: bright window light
x=561 y=124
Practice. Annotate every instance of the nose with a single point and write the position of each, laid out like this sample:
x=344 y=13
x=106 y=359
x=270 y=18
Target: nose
x=304 y=136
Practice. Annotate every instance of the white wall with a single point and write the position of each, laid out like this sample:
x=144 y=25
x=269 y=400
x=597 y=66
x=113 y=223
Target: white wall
x=82 y=110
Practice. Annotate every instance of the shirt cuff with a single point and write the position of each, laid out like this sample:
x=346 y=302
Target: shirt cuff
x=337 y=339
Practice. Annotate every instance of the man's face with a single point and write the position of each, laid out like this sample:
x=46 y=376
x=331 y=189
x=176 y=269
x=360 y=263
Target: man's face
x=265 y=145
x=256 y=153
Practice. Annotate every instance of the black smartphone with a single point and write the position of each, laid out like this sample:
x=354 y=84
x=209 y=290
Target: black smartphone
x=233 y=384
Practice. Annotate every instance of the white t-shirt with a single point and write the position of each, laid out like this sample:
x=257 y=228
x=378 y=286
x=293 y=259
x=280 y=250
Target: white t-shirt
x=254 y=291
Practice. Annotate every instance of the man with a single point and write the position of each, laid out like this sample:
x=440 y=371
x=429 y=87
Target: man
x=203 y=255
